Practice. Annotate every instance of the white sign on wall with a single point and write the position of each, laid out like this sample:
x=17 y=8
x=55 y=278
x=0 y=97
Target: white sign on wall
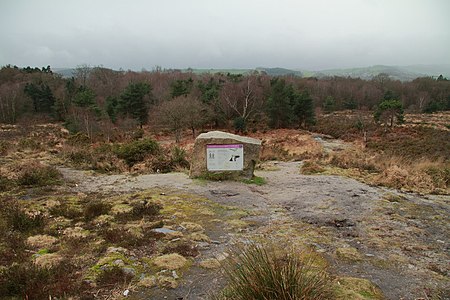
x=225 y=157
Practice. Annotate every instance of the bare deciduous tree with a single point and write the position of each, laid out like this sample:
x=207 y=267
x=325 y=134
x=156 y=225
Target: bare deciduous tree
x=182 y=113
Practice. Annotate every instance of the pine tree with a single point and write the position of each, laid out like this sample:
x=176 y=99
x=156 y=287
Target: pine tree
x=133 y=103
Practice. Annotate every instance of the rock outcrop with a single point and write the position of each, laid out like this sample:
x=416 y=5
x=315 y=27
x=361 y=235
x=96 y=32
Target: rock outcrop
x=221 y=155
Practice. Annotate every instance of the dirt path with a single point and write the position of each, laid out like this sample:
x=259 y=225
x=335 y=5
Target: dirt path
x=401 y=240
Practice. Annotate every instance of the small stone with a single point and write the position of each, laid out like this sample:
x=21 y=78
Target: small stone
x=370 y=255
x=175 y=275
x=163 y=230
x=119 y=263
x=126 y=292
x=203 y=245
x=129 y=271
x=111 y=250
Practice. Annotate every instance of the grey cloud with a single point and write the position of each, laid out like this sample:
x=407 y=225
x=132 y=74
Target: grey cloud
x=224 y=34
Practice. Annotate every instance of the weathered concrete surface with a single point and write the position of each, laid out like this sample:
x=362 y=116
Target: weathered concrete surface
x=252 y=148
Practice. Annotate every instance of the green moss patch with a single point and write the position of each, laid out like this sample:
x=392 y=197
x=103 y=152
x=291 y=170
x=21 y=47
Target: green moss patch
x=349 y=288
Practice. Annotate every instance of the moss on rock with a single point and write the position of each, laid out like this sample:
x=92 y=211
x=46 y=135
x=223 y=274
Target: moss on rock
x=171 y=261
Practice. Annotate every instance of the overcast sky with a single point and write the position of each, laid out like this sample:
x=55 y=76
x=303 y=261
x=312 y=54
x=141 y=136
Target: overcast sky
x=311 y=34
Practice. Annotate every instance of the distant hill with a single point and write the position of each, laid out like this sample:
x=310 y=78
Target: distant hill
x=403 y=73
x=64 y=72
x=280 y=71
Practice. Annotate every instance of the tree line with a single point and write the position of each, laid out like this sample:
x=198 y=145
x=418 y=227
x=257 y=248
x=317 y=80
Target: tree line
x=97 y=100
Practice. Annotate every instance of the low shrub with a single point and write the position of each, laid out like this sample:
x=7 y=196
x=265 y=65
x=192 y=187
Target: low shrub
x=140 y=209
x=35 y=174
x=12 y=249
x=261 y=272
x=145 y=209
x=5 y=183
x=29 y=144
x=345 y=125
x=28 y=281
x=4 y=147
x=95 y=208
x=137 y=151
x=66 y=210
x=114 y=275
x=18 y=219
x=80 y=157
x=123 y=237
x=101 y=158
x=413 y=143
x=184 y=248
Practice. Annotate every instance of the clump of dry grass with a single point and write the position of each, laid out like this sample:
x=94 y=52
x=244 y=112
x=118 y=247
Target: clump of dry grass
x=355 y=157
x=310 y=167
x=262 y=272
x=422 y=175
x=284 y=145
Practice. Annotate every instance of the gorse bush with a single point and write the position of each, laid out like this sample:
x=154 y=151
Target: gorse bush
x=265 y=273
x=178 y=158
x=137 y=151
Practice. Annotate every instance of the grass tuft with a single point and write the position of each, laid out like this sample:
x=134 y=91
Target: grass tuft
x=262 y=272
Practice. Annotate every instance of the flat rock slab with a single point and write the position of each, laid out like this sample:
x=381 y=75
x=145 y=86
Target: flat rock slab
x=213 y=146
